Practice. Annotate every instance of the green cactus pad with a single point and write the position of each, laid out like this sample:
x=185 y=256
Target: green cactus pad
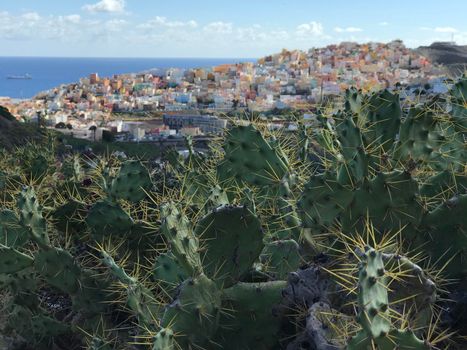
x=250 y=158
x=281 y=257
x=144 y=305
x=444 y=184
x=59 y=269
x=164 y=340
x=231 y=241
x=252 y=316
x=401 y=340
x=381 y=120
x=48 y=327
x=12 y=261
x=415 y=290
x=178 y=232
x=352 y=148
x=373 y=295
x=93 y=295
x=37 y=328
x=12 y=234
x=71 y=168
x=217 y=197
x=193 y=316
x=360 y=341
x=37 y=167
x=168 y=272
x=31 y=216
x=106 y=218
x=117 y=271
x=443 y=235
x=458 y=103
x=24 y=280
x=323 y=200
x=69 y=217
x=132 y=182
x=390 y=201
x=139 y=298
x=425 y=138
x=354 y=100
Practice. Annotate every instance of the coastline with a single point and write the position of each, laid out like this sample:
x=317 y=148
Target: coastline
x=50 y=72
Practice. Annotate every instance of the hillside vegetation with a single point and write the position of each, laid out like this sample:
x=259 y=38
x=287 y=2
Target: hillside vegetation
x=13 y=133
x=350 y=234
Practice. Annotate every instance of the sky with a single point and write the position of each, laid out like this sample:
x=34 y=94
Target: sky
x=218 y=28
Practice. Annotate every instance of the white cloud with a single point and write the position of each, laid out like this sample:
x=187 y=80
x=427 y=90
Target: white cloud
x=445 y=30
x=72 y=18
x=383 y=24
x=159 y=21
x=115 y=25
x=111 y=6
x=251 y=34
x=31 y=16
x=310 y=29
x=219 y=27
x=65 y=28
x=348 y=30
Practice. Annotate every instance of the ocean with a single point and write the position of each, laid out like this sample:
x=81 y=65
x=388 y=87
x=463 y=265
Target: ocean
x=48 y=72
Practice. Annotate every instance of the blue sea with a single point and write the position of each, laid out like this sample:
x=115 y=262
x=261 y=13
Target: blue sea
x=48 y=72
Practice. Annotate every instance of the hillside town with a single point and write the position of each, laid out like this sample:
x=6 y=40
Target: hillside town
x=186 y=102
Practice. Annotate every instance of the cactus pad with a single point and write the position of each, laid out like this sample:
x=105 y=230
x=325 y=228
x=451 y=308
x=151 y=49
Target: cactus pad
x=31 y=216
x=132 y=182
x=231 y=240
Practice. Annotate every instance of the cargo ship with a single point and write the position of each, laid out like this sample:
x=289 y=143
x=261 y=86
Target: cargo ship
x=20 y=77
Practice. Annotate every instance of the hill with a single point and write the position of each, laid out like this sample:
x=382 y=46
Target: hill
x=13 y=133
x=449 y=54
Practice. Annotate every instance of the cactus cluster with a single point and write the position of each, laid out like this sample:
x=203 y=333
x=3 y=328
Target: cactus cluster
x=272 y=239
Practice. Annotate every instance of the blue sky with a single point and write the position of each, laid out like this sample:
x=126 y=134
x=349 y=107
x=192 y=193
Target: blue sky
x=208 y=28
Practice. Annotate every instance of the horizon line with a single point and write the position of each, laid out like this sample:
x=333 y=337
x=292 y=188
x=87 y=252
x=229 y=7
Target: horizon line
x=133 y=57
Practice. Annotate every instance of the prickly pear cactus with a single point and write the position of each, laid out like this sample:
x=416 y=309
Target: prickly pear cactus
x=280 y=257
x=323 y=200
x=60 y=270
x=373 y=295
x=140 y=299
x=374 y=316
x=252 y=318
x=380 y=120
x=164 y=340
x=106 y=219
x=177 y=231
x=390 y=201
x=355 y=165
x=31 y=216
x=132 y=182
x=251 y=159
x=458 y=104
x=12 y=261
x=443 y=230
x=194 y=313
x=12 y=234
x=231 y=241
x=168 y=272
